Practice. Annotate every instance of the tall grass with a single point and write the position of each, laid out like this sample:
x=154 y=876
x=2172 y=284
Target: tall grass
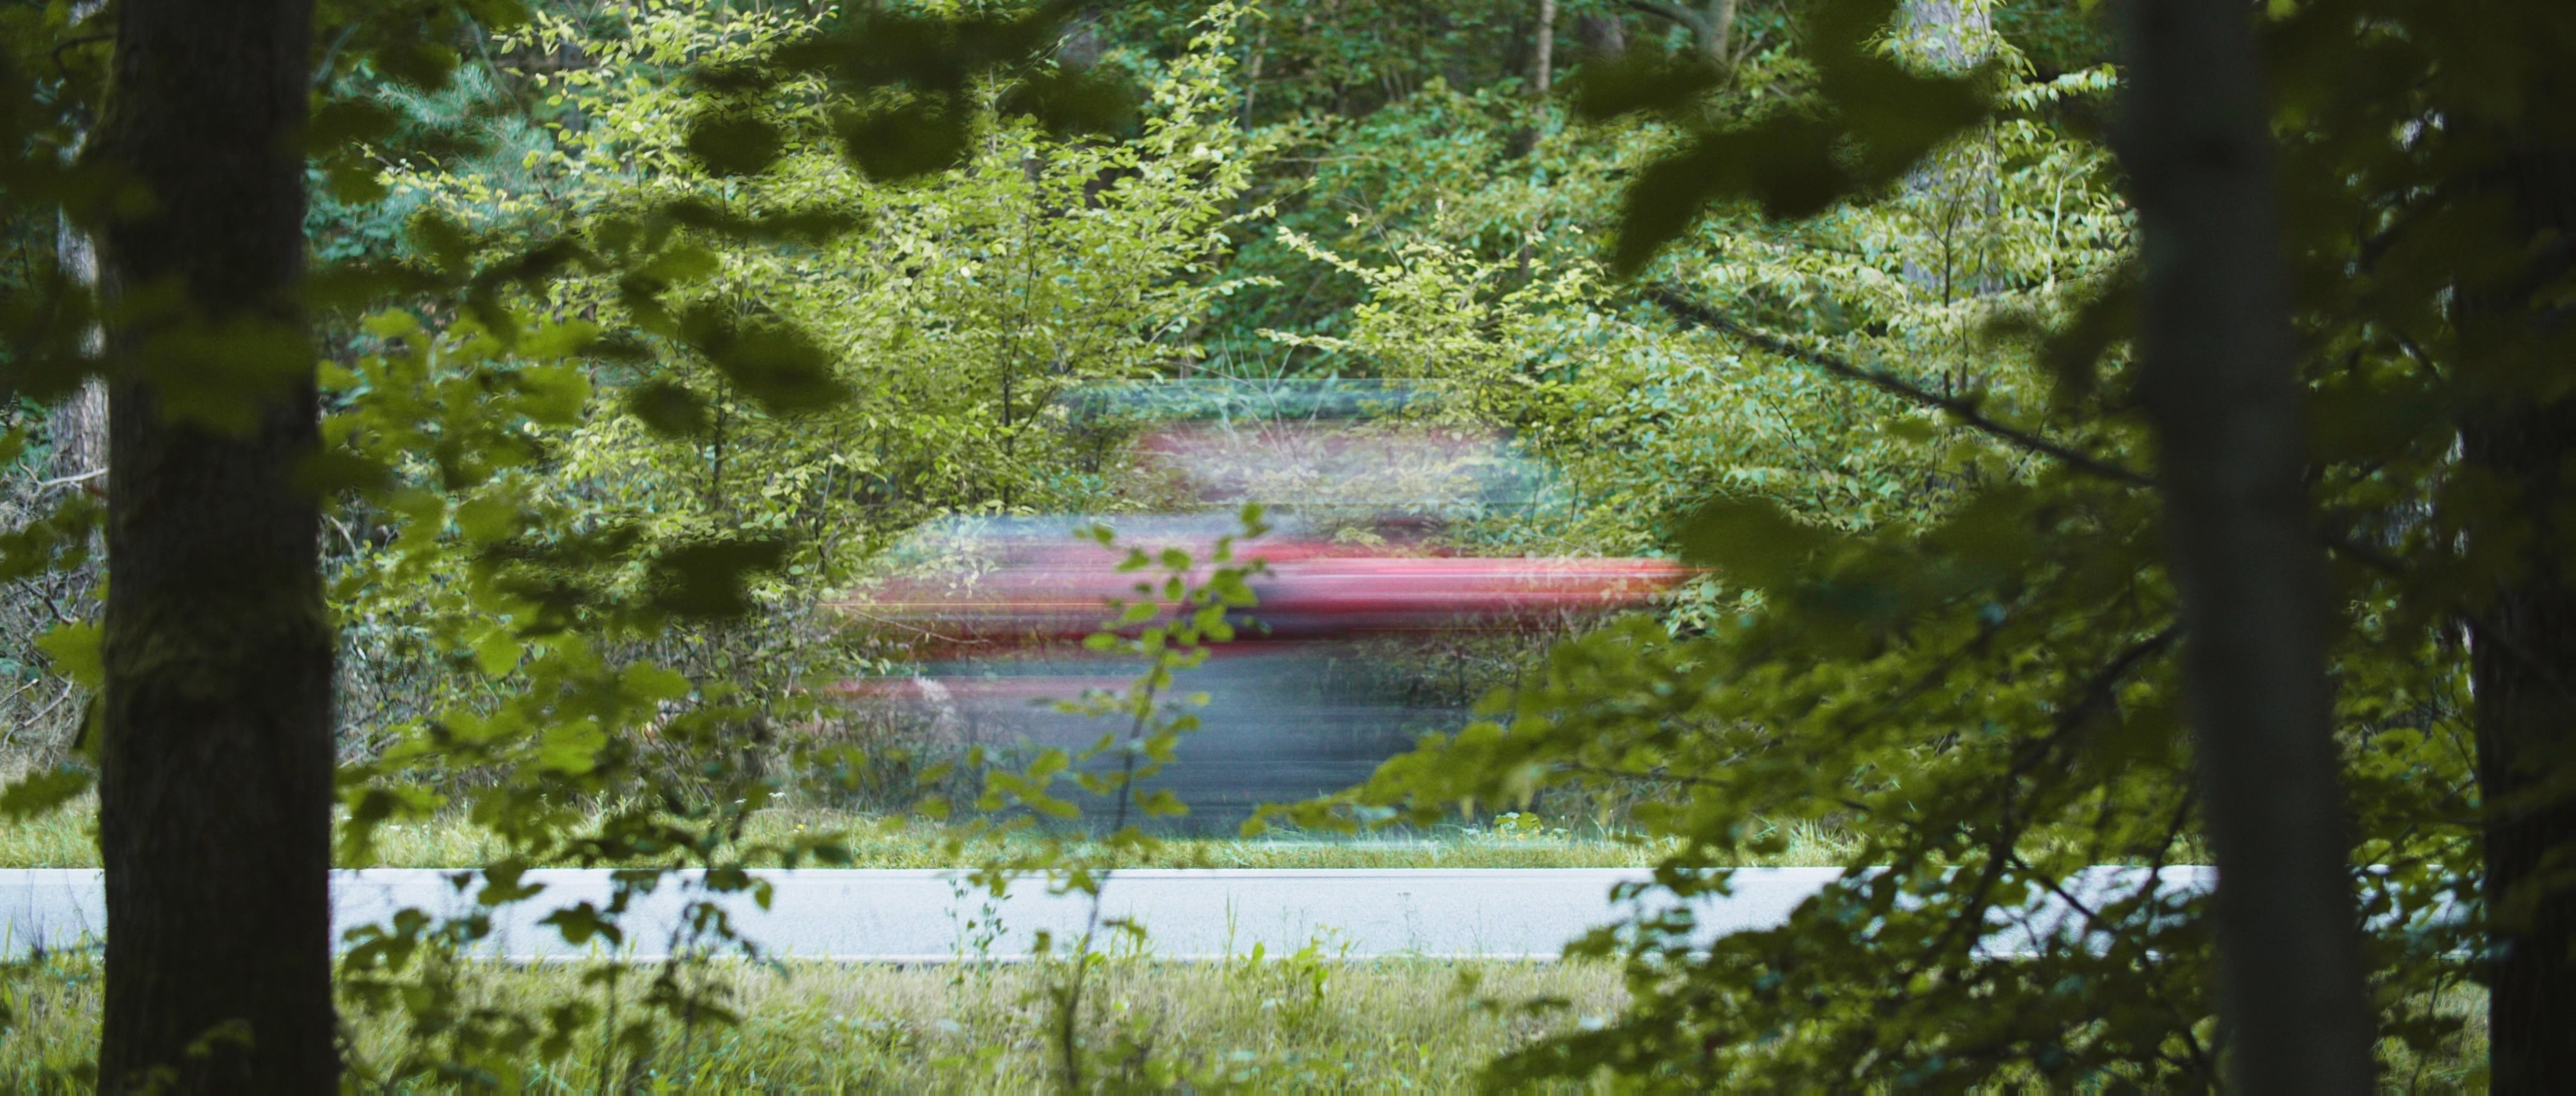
x=1300 y=1023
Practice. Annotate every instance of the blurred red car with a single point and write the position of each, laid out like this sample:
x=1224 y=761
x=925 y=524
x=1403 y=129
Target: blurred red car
x=1309 y=696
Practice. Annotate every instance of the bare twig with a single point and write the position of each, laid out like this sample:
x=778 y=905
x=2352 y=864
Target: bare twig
x=64 y=481
x=68 y=689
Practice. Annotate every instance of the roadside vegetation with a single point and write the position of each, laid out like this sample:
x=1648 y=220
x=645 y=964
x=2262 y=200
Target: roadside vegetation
x=630 y=338
x=66 y=840
x=1302 y=1022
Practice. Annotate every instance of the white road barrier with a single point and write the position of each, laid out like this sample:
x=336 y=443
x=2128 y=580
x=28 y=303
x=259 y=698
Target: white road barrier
x=937 y=916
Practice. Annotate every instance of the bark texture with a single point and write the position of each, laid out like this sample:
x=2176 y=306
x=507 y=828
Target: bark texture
x=215 y=789
x=2221 y=390
x=2522 y=436
x=80 y=431
x=2523 y=654
x=1949 y=35
x=1601 y=35
x=80 y=422
x=1543 y=61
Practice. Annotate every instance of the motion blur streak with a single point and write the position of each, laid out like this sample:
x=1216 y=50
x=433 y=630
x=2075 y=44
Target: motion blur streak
x=1359 y=578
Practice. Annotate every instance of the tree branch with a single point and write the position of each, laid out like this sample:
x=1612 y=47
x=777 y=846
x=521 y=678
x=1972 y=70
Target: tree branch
x=1965 y=411
x=77 y=477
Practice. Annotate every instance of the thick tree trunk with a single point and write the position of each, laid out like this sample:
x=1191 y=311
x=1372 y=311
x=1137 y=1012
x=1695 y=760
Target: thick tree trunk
x=215 y=789
x=2523 y=662
x=2523 y=651
x=2222 y=394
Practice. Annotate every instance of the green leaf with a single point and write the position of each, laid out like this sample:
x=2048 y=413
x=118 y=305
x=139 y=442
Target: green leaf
x=905 y=142
x=728 y=143
x=559 y=340
x=706 y=580
x=59 y=540
x=655 y=684
x=1641 y=80
x=1667 y=199
x=1899 y=116
x=1069 y=104
x=43 y=791
x=669 y=408
x=334 y=471
x=572 y=747
x=553 y=395
x=355 y=182
x=1751 y=542
x=348 y=120
x=581 y=923
x=488 y=519
x=73 y=649
x=773 y=362
x=443 y=241
x=498 y=652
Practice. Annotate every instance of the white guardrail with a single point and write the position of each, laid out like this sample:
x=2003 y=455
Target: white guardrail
x=859 y=915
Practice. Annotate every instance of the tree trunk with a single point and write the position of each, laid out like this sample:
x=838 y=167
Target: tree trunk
x=1712 y=28
x=1717 y=35
x=2222 y=395
x=78 y=426
x=1955 y=192
x=2523 y=656
x=1543 y=65
x=1948 y=35
x=2523 y=648
x=1601 y=35
x=215 y=783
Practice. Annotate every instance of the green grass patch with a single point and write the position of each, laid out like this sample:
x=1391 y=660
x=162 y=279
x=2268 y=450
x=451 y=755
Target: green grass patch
x=68 y=839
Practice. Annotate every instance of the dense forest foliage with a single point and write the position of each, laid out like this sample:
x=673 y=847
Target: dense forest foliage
x=645 y=326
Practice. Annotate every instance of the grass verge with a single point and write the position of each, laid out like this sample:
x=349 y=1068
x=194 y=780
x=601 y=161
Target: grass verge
x=1300 y=1023
x=68 y=839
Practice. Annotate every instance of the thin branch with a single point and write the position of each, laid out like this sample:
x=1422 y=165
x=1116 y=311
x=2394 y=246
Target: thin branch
x=63 y=481
x=331 y=56
x=1964 y=410
x=68 y=689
